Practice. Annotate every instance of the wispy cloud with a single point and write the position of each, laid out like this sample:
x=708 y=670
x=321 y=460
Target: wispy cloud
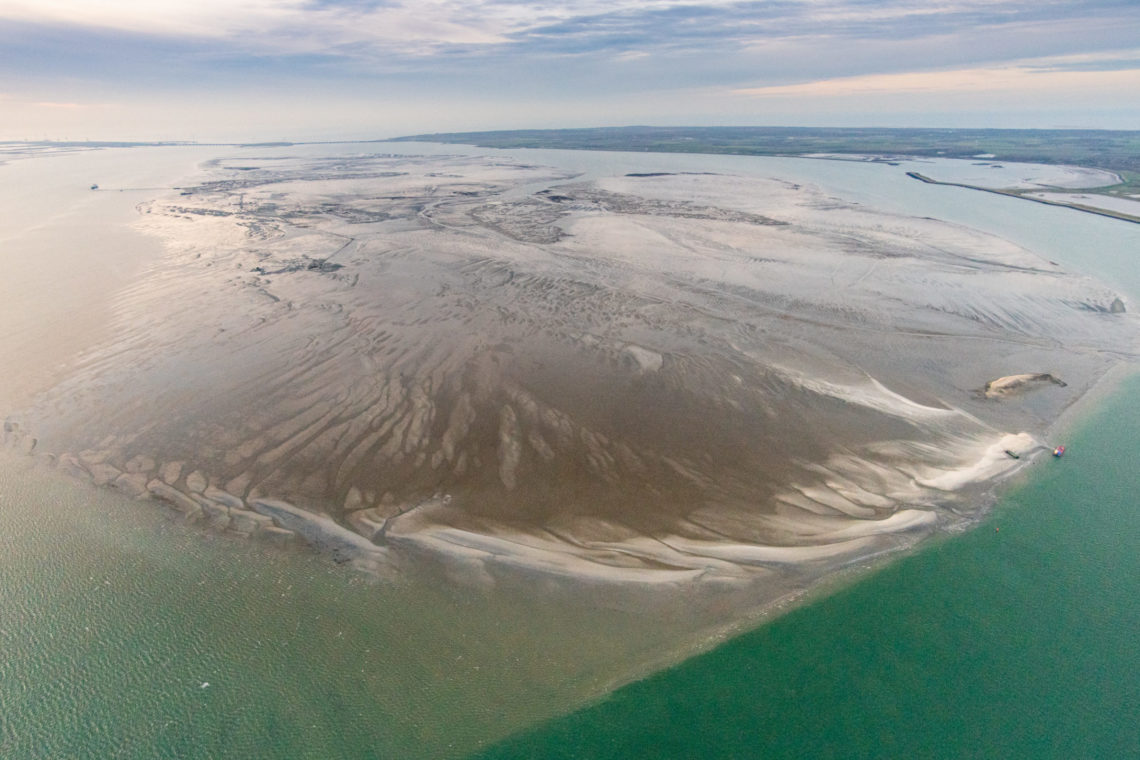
x=302 y=26
x=1020 y=78
x=286 y=27
x=1124 y=60
x=1113 y=70
x=297 y=27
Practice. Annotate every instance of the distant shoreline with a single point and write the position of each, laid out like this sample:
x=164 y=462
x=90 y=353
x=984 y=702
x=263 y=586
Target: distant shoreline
x=1114 y=150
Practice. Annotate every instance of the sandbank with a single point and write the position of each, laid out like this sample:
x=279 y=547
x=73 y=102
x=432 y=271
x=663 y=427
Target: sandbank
x=652 y=380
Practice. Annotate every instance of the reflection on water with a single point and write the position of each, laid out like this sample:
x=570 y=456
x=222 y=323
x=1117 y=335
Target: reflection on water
x=66 y=251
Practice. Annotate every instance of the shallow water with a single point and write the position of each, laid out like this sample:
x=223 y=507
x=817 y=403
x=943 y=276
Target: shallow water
x=112 y=616
x=128 y=634
x=65 y=250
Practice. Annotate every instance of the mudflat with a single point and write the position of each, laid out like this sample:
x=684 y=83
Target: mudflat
x=655 y=380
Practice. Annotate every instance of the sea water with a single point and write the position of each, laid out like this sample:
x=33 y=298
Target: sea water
x=125 y=634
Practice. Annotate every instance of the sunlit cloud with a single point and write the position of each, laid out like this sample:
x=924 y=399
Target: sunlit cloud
x=1068 y=73
x=308 y=26
x=631 y=55
x=1101 y=61
x=299 y=26
x=281 y=26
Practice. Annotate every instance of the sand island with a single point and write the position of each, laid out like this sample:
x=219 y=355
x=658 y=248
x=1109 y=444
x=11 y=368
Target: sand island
x=655 y=380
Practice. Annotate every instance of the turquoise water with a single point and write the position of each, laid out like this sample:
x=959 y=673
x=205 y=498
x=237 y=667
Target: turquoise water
x=127 y=634
x=1017 y=640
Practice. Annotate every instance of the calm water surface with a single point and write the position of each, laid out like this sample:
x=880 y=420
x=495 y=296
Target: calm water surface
x=125 y=634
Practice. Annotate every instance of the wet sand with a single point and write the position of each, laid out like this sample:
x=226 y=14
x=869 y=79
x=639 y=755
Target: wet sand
x=658 y=381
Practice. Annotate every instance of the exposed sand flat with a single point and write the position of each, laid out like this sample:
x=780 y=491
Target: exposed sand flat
x=1024 y=176
x=1112 y=203
x=985 y=172
x=646 y=380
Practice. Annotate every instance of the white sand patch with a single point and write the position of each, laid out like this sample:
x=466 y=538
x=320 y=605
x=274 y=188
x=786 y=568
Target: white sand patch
x=873 y=395
x=522 y=552
x=1014 y=384
x=1004 y=384
x=324 y=533
x=992 y=462
x=648 y=361
x=811 y=530
x=755 y=554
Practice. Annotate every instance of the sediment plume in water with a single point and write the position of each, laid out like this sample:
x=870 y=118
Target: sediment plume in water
x=648 y=379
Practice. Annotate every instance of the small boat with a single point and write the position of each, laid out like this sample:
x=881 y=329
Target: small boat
x=1012 y=454
x=1059 y=451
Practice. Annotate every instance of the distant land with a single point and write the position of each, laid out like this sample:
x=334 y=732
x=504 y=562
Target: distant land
x=1117 y=151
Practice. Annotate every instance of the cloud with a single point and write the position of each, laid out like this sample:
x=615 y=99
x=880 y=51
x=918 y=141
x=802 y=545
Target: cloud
x=423 y=27
x=1119 y=71
x=615 y=56
x=1108 y=61
x=530 y=47
x=289 y=27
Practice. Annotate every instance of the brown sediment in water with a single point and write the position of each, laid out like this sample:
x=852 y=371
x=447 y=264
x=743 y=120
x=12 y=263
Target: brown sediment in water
x=641 y=379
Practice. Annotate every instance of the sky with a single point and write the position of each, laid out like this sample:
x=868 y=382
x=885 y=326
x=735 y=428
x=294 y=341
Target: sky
x=223 y=70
